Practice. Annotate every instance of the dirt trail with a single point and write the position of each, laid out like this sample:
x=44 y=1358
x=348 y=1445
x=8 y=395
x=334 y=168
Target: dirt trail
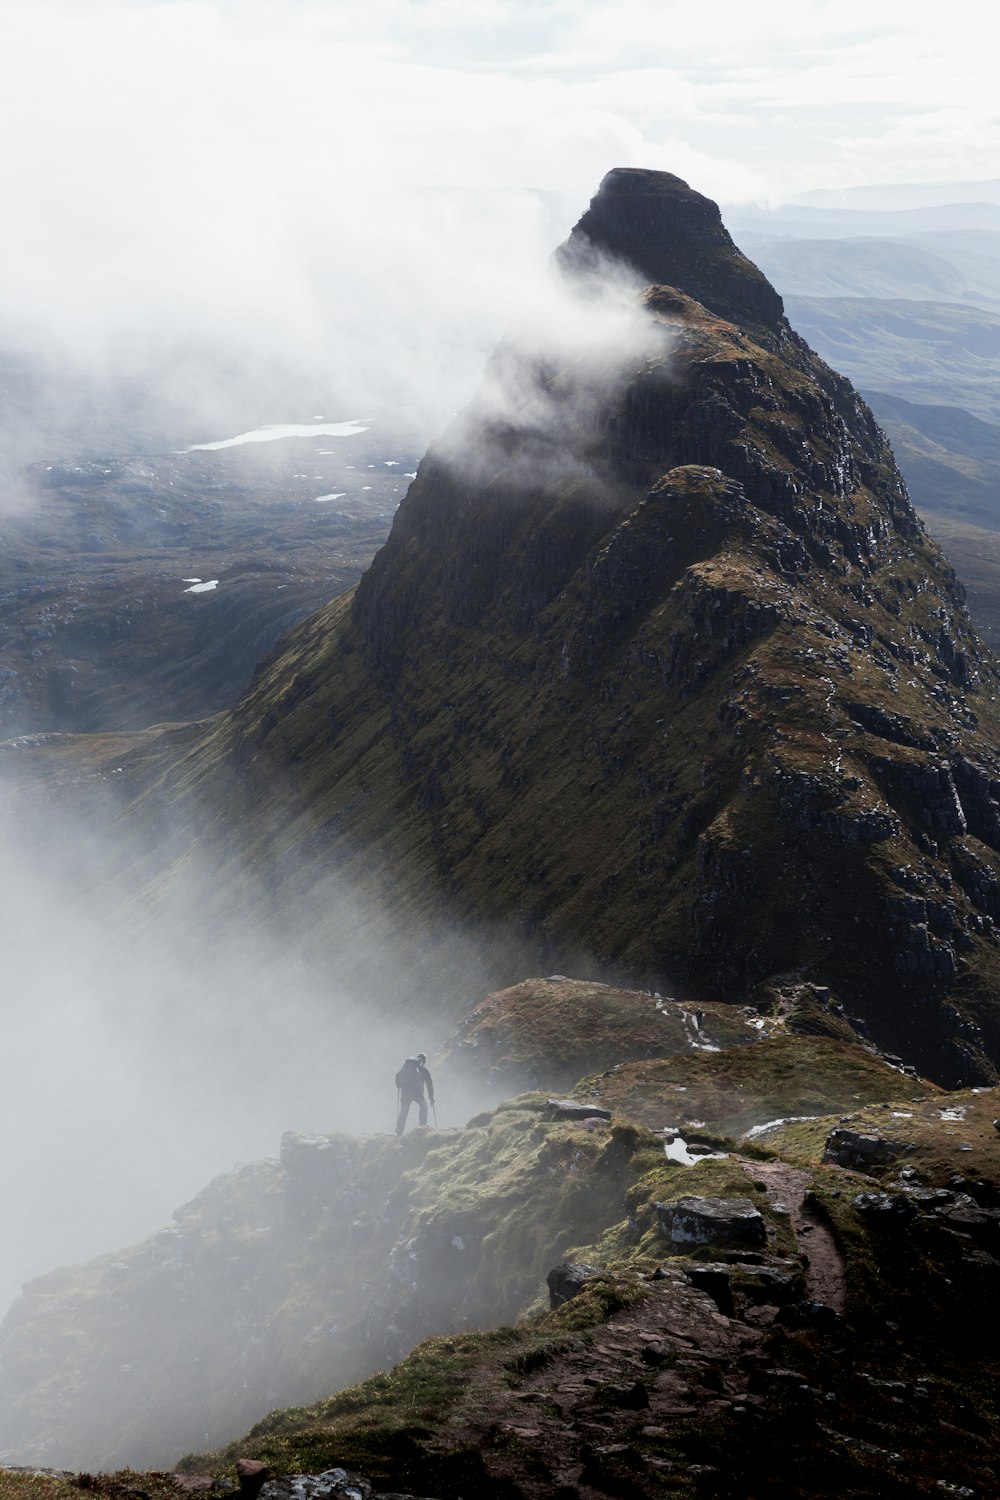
x=825 y=1274
x=668 y=1359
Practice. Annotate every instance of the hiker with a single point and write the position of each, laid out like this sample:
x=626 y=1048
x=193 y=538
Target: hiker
x=411 y=1080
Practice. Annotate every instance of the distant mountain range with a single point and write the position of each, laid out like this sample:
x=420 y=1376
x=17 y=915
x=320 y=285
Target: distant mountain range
x=899 y=288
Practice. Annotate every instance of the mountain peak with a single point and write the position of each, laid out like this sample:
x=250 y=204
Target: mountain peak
x=674 y=236
x=680 y=683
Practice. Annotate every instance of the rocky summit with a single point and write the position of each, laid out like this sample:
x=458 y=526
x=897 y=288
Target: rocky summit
x=658 y=671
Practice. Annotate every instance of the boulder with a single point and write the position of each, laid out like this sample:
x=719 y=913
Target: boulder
x=332 y=1484
x=568 y=1280
x=573 y=1109
x=251 y=1474
x=768 y=1284
x=889 y=1208
x=966 y=1217
x=633 y=1397
x=711 y=1221
x=850 y=1148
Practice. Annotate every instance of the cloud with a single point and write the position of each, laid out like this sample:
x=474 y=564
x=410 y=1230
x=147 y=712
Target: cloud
x=367 y=195
x=148 y=1047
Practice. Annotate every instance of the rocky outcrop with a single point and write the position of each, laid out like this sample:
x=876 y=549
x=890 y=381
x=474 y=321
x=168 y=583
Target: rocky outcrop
x=713 y=1312
x=712 y=1221
x=852 y=1148
x=572 y=1109
x=569 y=1279
x=287 y=1278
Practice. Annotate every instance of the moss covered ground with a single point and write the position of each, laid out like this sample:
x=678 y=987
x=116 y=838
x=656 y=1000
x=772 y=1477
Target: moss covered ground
x=733 y=1090
x=937 y=1134
x=545 y=1033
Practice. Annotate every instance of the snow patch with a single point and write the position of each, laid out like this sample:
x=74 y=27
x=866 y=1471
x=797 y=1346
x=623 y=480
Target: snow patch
x=203 y=588
x=276 y=430
x=696 y=1038
x=756 y=1130
x=321 y=499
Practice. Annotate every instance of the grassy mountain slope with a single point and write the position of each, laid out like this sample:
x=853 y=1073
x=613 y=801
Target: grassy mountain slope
x=695 y=733
x=679 y=691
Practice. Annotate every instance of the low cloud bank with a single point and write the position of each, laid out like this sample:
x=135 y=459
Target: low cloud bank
x=142 y=1059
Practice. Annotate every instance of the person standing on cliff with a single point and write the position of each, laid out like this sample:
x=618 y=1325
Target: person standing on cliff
x=411 y=1080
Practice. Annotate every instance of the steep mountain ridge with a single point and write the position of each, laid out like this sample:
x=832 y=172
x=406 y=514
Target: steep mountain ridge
x=681 y=685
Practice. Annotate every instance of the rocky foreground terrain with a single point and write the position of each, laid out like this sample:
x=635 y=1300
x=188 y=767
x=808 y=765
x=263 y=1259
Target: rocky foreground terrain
x=757 y=1260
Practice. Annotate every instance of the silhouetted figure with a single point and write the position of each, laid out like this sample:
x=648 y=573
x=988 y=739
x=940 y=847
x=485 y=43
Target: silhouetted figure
x=411 y=1080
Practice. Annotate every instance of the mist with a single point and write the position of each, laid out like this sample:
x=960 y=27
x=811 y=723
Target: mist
x=142 y=1058
x=216 y=231
x=226 y=215
x=195 y=276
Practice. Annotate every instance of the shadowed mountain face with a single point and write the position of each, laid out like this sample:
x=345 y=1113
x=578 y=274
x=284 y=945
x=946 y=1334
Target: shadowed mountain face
x=657 y=666
x=673 y=237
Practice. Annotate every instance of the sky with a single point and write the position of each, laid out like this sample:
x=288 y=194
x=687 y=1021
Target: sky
x=348 y=188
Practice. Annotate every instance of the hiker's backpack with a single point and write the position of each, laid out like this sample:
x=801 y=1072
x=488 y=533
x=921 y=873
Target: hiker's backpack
x=409 y=1074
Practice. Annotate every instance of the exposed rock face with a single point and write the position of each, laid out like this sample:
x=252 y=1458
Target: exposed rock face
x=712 y=1221
x=674 y=237
x=568 y=1280
x=850 y=1148
x=572 y=1109
x=683 y=682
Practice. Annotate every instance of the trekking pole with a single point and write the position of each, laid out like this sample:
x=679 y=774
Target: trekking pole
x=399 y=1105
x=434 y=1108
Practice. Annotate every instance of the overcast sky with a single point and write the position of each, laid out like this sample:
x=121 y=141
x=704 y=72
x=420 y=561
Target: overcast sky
x=359 y=183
